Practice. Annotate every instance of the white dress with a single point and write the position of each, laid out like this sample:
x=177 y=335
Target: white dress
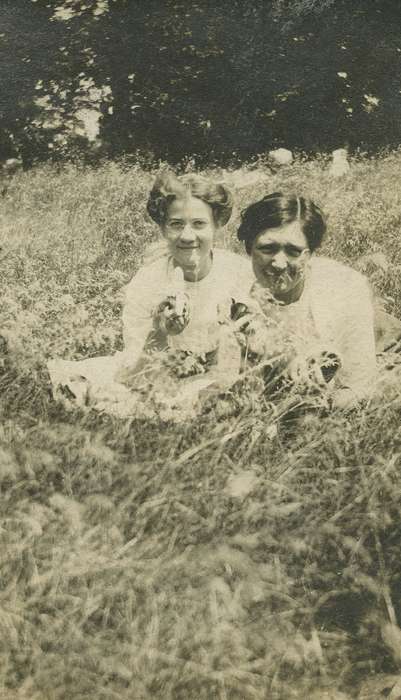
x=101 y=382
x=334 y=315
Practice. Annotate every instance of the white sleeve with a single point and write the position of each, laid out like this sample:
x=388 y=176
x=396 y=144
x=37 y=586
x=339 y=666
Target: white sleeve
x=357 y=341
x=140 y=299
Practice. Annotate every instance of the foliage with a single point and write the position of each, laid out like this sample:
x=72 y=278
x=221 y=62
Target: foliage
x=224 y=81
x=141 y=559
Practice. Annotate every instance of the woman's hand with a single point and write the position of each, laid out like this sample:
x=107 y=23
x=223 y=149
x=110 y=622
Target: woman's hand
x=260 y=338
x=172 y=314
x=306 y=372
x=251 y=334
x=314 y=372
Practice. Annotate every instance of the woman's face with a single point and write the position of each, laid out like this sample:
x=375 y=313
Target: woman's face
x=279 y=258
x=189 y=229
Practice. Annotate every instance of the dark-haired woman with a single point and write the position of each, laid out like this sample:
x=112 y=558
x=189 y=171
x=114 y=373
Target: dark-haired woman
x=312 y=312
x=173 y=304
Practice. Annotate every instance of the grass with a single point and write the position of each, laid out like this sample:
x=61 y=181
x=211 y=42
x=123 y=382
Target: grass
x=131 y=565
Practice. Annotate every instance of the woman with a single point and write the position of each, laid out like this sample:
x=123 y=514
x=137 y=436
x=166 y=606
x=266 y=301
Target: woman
x=313 y=314
x=173 y=305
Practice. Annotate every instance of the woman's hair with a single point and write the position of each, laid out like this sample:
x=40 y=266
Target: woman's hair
x=278 y=209
x=169 y=186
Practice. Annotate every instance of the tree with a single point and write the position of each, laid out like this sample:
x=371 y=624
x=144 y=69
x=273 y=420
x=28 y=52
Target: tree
x=222 y=80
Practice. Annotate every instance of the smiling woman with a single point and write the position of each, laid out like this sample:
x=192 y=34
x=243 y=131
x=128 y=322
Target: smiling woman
x=280 y=233
x=175 y=307
x=280 y=264
x=189 y=231
x=311 y=311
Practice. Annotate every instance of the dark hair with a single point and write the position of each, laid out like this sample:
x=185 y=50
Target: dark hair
x=277 y=209
x=169 y=186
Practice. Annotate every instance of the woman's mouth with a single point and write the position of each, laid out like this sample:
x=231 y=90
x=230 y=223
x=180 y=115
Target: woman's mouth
x=278 y=280
x=272 y=274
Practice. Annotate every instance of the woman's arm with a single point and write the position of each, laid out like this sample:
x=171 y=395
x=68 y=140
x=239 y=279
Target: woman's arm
x=141 y=295
x=355 y=379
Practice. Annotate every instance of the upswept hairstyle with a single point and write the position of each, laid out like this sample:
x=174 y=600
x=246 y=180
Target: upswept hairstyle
x=278 y=209
x=169 y=186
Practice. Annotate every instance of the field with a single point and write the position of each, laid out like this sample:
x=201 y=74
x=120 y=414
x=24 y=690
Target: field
x=132 y=565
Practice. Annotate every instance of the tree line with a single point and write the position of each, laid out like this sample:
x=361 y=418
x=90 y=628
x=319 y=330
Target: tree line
x=215 y=80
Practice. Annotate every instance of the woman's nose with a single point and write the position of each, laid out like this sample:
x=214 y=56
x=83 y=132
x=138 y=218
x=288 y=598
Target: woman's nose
x=187 y=233
x=279 y=261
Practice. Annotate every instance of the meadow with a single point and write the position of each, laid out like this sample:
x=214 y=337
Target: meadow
x=132 y=565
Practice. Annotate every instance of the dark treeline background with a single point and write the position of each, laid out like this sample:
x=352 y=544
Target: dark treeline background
x=218 y=80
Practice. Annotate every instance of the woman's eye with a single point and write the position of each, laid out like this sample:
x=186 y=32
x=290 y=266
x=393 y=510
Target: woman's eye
x=176 y=225
x=294 y=252
x=199 y=224
x=268 y=250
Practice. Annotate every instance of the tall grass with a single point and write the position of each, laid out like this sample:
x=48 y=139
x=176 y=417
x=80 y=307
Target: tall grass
x=141 y=559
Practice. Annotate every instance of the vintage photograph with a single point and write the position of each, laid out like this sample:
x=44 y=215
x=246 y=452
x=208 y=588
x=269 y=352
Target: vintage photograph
x=200 y=349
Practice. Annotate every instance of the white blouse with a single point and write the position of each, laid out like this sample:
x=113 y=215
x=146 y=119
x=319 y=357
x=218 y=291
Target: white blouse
x=230 y=278
x=335 y=313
